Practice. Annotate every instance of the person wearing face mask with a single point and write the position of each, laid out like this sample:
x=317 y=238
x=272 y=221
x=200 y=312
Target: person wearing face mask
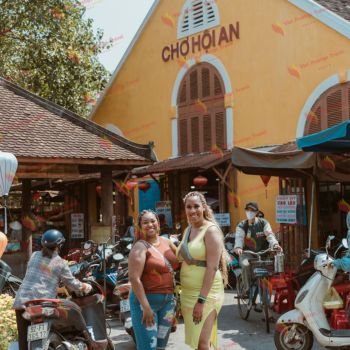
x=253 y=234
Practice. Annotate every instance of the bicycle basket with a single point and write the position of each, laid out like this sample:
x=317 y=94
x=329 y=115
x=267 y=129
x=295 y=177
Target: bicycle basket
x=267 y=265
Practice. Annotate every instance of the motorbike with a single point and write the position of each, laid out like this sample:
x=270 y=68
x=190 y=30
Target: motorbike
x=111 y=266
x=9 y=283
x=63 y=324
x=233 y=259
x=122 y=291
x=297 y=328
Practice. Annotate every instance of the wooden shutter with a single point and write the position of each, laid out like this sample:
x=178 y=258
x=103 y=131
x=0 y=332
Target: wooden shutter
x=195 y=134
x=217 y=86
x=207 y=141
x=205 y=82
x=220 y=129
x=194 y=85
x=202 y=114
x=331 y=108
x=183 y=92
x=183 y=136
x=334 y=108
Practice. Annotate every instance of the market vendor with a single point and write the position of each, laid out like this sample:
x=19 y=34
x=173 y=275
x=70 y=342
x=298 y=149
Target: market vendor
x=3 y=243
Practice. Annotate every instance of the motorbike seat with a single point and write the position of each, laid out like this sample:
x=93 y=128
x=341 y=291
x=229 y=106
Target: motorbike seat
x=337 y=333
x=89 y=300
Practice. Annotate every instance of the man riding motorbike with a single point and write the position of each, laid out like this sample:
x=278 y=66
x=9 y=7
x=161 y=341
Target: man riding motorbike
x=253 y=234
x=44 y=272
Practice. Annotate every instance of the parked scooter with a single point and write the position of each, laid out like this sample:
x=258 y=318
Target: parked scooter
x=122 y=291
x=9 y=283
x=63 y=324
x=297 y=328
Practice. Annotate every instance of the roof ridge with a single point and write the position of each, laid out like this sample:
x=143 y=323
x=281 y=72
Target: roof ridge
x=90 y=126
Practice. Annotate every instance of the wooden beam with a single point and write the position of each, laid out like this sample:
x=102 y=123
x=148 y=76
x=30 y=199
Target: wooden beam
x=132 y=162
x=222 y=179
x=107 y=197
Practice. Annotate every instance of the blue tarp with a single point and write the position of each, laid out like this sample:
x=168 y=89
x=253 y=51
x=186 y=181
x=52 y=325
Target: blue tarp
x=333 y=140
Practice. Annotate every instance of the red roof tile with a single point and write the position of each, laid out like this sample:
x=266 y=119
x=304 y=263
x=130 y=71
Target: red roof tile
x=35 y=128
x=203 y=161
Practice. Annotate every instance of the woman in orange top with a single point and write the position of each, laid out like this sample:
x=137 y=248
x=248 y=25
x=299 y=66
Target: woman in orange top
x=152 y=303
x=3 y=243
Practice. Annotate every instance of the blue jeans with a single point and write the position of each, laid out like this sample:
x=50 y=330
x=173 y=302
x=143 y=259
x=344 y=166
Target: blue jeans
x=156 y=337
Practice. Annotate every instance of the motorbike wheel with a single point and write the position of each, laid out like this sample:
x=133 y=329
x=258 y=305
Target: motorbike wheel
x=265 y=302
x=302 y=339
x=11 y=288
x=243 y=303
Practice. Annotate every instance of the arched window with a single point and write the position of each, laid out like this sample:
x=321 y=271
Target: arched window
x=201 y=107
x=196 y=16
x=331 y=108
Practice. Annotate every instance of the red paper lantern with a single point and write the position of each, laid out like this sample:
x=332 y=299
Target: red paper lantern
x=265 y=179
x=200 y=180
x=144 y=186
x=131 y=184
x=98 y=189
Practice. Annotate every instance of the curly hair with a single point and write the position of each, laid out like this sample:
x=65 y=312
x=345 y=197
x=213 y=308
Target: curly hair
x=209 y=216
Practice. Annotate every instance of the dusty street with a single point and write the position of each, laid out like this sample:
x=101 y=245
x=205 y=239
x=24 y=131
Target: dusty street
x=234 y=333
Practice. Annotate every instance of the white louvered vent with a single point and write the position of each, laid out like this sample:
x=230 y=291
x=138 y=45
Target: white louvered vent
x=196 y=16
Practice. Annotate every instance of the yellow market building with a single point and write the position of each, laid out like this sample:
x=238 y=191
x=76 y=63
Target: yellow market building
x=203 y=76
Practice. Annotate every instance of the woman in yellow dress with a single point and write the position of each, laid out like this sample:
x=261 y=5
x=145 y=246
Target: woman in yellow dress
x=203 y=273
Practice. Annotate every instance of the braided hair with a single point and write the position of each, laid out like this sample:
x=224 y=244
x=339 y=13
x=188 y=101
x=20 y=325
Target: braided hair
x=209 y=216
x=138 y=232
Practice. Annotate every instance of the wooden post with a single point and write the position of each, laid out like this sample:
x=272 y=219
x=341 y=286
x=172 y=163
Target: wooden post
x=106 y=196
x=26 y=204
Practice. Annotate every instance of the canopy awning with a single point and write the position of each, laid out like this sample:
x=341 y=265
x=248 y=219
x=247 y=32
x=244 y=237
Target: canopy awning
x=287 y=161
x=333 y=140
x=291 y=163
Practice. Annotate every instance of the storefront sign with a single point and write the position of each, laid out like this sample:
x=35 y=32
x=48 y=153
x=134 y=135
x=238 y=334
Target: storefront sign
x=77 y=225
x=164 y=208
x=286 y=209
x=200 y=42
x=223 y=219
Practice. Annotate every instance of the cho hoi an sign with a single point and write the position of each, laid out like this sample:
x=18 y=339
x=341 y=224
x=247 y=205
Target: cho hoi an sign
x=286 y=209
x=201 y=42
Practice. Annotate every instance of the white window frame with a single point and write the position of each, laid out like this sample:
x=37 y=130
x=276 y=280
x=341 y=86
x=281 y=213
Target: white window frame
x=187 y=10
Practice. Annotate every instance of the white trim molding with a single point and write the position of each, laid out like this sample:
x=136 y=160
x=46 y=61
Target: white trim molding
x=320 y=89
x=324 y=15
x=125 y=56
x=214 y=61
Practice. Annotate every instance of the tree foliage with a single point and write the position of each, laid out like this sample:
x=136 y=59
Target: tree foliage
x=48 y=48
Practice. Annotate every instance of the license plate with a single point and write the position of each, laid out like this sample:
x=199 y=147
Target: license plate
x=38 y=331
x=124 y=305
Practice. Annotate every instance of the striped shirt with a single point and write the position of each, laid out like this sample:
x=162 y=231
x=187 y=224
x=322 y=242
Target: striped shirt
x=43 y=277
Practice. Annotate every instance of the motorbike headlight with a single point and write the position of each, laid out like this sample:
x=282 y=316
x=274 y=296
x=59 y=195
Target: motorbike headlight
x=26 y=316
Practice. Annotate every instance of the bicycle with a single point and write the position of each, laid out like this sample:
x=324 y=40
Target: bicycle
x=260 y=273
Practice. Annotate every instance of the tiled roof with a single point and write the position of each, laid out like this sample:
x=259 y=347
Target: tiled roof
x=203 y=161
x=35 y=128
x=340 y=7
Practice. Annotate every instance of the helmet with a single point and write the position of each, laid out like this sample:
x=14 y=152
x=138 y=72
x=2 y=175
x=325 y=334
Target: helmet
x=52 y=239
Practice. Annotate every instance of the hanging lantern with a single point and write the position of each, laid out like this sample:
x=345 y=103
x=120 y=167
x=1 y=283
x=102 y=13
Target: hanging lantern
x=8 y=167
x=265 y=179
x=99 y=189
x=131 y=184
x=144 y=186
x=36 y=196
x=200 y=180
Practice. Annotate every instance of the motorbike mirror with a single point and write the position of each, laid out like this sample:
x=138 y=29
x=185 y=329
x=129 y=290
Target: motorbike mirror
x=345 y=244
x=118 y=257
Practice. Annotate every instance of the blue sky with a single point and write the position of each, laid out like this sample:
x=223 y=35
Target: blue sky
x=119 y=20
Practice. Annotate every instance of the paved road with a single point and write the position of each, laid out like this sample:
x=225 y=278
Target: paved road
x=233 y=334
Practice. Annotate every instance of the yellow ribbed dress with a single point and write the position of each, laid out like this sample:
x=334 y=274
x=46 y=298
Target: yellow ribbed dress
x=191 y=277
